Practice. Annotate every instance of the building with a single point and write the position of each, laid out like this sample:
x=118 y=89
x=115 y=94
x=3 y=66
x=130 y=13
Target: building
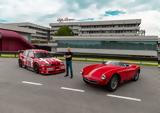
x=129 y=27
x=24 y=32
x=13 y=41
x=41 y=31
x=158 y=50
x=144 y=46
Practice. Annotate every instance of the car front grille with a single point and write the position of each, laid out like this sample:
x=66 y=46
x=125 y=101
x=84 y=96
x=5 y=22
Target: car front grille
x=90 y=81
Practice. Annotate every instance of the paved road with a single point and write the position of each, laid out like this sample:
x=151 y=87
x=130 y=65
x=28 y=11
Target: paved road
x=23 y=91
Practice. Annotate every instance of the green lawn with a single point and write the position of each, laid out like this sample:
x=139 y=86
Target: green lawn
x=8 y=56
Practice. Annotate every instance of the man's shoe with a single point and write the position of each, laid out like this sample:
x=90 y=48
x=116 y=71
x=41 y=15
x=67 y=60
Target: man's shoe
x=65 y=75
x=71 y=77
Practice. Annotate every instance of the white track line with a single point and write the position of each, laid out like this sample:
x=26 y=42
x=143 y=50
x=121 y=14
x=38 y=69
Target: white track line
x=122 y=97
x=33 y=83
x=71 y=89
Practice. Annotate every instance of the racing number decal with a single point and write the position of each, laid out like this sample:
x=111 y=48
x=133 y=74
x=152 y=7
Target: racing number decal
x=30 y=59
x=30 y=62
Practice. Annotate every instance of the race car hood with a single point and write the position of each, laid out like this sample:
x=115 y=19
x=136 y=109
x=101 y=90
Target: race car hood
x=98 y=70
x=54 y=61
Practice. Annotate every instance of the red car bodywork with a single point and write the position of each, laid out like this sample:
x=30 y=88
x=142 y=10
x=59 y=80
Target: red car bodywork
x=93 y=73
x=49 y=65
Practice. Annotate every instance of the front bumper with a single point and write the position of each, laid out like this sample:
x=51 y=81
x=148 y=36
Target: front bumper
x=95 y=81
x=52 y=69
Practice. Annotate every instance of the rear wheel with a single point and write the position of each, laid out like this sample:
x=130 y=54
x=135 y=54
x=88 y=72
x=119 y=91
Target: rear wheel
x=36 y=68
x=113 y=83
x=136 y=76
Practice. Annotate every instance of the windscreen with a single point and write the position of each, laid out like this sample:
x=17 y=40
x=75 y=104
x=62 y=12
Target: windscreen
x=43 y=55
x=112 y=63
x=117 y=63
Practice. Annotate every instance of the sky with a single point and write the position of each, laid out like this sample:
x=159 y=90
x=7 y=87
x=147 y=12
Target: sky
x=44 y=12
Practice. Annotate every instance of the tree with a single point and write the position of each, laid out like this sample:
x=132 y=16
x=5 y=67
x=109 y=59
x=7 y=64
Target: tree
x=64 y=31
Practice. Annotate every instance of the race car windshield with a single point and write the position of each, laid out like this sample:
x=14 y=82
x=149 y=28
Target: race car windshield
x=42 y=55
x=112 y=63
x=116 y=63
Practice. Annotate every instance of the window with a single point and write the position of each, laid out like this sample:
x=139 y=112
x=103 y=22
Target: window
x=25 y=53
x=93 y=44
x=30 y=54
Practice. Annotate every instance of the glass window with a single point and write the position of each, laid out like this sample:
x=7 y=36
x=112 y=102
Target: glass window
x=30 y=54
x=25 y=53
x=93 y=44
x=43 y=55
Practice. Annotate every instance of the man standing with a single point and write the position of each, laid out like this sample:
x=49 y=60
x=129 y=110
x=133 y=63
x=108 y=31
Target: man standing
x=68 y=57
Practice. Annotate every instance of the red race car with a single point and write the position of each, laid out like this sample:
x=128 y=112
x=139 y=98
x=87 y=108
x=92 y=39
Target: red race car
x=40 y=61
x=110 y=73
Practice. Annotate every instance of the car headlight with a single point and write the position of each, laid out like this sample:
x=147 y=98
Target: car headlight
x=103 y=77
x=81 y=71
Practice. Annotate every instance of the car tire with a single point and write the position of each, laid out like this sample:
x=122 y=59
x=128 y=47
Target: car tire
x=136 y=76
x=36 y=68
x=20 y=63
x=113 y=83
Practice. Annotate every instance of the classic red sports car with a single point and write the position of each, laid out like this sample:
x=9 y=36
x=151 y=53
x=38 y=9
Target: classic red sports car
x=40 y=61
x=110 y=73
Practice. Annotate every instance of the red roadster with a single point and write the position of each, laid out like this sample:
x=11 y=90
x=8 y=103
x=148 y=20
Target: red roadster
x=40 y=61
x=110 y=73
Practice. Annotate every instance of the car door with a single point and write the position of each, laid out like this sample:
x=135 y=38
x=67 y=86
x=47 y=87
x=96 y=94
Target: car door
x=125 y=71
x=25 y=54
x=129 y=72
x=30 y=59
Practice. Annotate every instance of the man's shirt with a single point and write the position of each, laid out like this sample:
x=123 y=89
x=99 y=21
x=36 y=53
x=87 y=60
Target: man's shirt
x=68 y=54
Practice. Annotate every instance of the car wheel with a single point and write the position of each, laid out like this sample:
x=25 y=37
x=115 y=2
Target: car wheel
x=136 y=76
x=20 y=63
x=36 y=68
x=113 y=83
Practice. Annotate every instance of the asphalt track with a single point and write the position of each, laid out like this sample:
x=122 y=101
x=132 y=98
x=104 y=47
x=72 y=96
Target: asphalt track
x=23 y=91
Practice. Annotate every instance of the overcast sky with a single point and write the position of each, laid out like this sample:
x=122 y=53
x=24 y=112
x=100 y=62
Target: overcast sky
x=46 y=11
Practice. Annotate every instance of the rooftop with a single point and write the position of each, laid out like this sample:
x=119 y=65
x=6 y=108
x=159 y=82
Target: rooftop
x=128 y=21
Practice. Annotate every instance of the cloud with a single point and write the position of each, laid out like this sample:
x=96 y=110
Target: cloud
x=113 y=12
x=46 y=11
x=86 y=19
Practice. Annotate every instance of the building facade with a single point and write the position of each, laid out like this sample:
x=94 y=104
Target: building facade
x=24 y=32
x=41 y=32
x=158 y=50
x=145 y=46
x=102 y=28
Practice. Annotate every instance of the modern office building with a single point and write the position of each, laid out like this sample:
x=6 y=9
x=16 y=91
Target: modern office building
x=158 y=50
x=24 y=32
x=145 y=46
x=41 y=31
x=129 y=27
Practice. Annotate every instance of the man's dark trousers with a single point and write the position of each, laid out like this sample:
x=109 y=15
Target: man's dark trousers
x=69 y=67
